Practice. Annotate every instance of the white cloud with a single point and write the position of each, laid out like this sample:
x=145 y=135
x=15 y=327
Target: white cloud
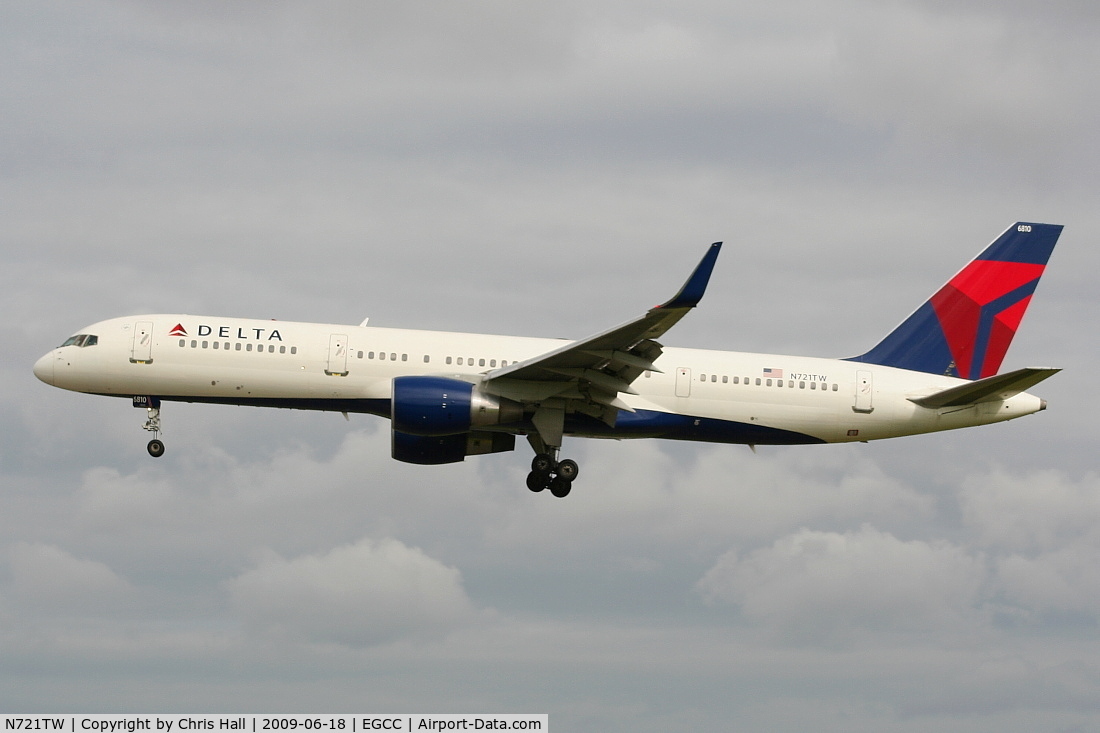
x=1065 y=580
x=1033 y=511
x=360 y=594
x=47 y=580
x=827 y=586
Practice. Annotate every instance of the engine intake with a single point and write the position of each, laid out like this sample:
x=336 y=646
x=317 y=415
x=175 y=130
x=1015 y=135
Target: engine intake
x=437 y=406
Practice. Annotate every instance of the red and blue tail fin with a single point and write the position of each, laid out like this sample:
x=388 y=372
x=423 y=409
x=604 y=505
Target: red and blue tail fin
x=965 y=328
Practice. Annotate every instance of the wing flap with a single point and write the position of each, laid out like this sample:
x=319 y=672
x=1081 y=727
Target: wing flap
x=990 y=389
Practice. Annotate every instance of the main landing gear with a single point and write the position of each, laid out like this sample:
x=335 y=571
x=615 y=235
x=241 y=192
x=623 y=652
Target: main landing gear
x=547 y=473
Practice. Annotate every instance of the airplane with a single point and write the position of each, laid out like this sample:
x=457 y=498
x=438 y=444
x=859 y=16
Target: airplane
x=452 y=395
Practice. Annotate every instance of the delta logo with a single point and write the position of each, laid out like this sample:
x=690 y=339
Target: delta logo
x=227 y=332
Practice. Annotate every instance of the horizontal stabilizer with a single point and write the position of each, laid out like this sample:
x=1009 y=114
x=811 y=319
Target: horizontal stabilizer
x=990 y=389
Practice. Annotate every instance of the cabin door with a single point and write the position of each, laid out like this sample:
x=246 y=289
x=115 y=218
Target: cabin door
x=864 y=392
x=683 y=382
x=142 y=350
x=337 y=355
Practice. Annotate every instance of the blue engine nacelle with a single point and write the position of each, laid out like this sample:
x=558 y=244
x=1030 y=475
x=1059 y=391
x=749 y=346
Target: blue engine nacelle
x=436 y=420
x=438 y=406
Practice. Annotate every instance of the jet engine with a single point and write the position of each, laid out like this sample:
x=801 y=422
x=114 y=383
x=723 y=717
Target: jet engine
x=436 y=420
x=436 y=406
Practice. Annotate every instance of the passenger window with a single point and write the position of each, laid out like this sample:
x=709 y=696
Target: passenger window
x=426 y=358
x=758 y=381
x=769 y=382
x=448 y=360
x=481 y=362
x=382 y=355
x=194 y=344
x=714 y=377
x=492 y=362
x=183 y=342
x=294 y=349
x=248 y=347
x=736 y=380
x=360 y=353
x=460 y=361
x=835 y=387
x=393 y=357
x=205 y=344
x=813 y=385
x=802 y=385
x=404 y=357
x=702 y=377
x=725 y=379
x=237 y=347
x=217 y=345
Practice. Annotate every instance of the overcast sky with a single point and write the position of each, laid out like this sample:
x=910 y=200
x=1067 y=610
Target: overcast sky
x=547 y=169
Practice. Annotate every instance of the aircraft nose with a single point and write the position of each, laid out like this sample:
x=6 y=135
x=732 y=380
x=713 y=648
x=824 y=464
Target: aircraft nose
x=43 y=368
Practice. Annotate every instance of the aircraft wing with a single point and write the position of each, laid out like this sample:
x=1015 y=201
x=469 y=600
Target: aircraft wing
x=990 y=389
x=594 y=370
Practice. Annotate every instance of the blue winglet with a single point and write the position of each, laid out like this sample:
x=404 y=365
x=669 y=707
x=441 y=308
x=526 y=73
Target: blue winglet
x=692 y=292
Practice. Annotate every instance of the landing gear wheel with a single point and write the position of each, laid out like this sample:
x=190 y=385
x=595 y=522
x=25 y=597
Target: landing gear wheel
x=568 y=470
x=560 y=487
x=543 y=463
x=155 y=448
x=538 y=480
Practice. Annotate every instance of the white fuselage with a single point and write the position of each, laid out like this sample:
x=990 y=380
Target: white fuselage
x=351 y=368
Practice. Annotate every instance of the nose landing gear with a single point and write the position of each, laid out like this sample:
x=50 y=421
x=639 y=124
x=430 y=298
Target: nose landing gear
x=152 y=405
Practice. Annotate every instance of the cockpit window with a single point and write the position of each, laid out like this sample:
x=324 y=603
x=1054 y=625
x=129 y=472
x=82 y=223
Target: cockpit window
x=82 y=340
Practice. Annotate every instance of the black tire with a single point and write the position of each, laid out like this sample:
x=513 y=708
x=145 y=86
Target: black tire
x=560 y=488
x=542 y=463
x=538 y=480
x=568 y=470
x=155 y=448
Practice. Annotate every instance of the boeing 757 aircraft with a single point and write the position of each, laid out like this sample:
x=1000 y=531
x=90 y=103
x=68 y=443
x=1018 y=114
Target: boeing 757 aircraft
x=452 y=395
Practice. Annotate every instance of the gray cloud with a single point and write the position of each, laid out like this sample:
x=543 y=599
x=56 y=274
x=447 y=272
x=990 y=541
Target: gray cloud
x=545 y=169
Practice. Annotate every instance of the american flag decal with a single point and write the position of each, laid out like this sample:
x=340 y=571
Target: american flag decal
x=777 y=373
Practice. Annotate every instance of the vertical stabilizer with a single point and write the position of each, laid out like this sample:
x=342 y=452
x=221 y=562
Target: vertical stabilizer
x=964 y=330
